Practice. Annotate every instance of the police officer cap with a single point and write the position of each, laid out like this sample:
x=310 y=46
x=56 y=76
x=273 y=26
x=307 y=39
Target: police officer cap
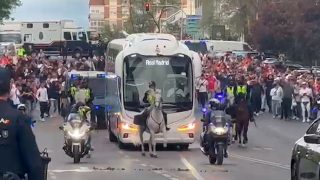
x=5 y=77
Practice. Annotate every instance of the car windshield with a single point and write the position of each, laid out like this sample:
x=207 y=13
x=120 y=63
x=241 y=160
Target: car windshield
x=16 y=38
x=172 y=76
x=98 y=86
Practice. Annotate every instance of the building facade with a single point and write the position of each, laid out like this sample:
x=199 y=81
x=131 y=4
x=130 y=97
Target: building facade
x=116 y=12
x=110 y=12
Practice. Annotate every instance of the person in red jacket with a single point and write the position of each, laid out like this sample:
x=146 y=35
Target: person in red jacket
x=211 y=84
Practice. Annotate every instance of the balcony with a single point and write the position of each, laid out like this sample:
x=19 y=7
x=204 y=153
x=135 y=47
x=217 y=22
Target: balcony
x=96 y=16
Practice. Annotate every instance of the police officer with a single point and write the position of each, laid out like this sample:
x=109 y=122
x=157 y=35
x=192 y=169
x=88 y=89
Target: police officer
x=149 y=98
x=19 y=152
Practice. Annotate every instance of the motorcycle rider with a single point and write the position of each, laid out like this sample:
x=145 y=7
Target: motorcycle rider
x=80 y=109
x=218 y=105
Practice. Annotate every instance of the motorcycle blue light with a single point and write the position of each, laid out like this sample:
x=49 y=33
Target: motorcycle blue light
x=204 y=110
x=314 y=110
x=108 y=107
x=75 y=76
x=97 y=107
x=101 y=75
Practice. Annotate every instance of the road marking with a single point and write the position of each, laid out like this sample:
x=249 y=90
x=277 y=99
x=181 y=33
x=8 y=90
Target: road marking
x=80 y=170
x=193 y=170
x=259 y=161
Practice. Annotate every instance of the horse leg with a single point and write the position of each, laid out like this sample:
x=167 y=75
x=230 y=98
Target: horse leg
x=154 y=144
x=150 y=144
x=164 y=131
x=239 y=129
x=141 y=141
x=245 y=132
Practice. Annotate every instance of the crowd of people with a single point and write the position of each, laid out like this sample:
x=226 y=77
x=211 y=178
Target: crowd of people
x=40 y=80
x=287 y=94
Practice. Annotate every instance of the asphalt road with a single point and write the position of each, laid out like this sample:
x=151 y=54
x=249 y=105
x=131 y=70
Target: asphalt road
x=266 y=157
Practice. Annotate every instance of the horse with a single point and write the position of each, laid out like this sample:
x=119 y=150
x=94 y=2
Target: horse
x=155 y=124
x=242 y=122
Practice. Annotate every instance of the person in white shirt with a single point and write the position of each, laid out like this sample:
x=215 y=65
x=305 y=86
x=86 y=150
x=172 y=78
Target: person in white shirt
x=42 y=96
x=14 y=95
x=276 y=94
x=203 y=91
x=306 y=94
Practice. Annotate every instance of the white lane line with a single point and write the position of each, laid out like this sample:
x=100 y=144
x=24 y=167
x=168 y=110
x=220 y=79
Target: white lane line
x=269 y=163
x=166 y=175
x=193 y=170
x=52 y=176
x=80 y=170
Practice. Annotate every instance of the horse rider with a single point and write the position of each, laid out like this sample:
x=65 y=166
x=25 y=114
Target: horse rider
x=218 y=107
x=149 y=97
x=231 y=91
x=241 y=88
x=244 y=114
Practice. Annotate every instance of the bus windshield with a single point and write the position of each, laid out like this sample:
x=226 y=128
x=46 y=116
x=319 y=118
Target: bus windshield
x=16 y=38
x=172 y=75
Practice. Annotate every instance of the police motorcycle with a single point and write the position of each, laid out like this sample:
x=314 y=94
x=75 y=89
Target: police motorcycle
x=216 y=134
x=77 y=134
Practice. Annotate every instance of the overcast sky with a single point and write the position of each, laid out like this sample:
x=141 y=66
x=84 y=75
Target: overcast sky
x=39 y=10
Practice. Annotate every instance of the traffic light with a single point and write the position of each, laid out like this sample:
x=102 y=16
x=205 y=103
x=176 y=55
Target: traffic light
x=147 y=7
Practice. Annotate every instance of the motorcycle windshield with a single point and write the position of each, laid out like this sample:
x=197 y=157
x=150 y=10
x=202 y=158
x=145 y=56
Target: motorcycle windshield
x=218 y=118
x=75 y=123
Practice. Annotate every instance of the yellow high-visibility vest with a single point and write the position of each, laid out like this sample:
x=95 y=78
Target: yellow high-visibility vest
x=242 y=89
x=73 y=91
x=21 y=52
x=87 y=94
x=230 y=91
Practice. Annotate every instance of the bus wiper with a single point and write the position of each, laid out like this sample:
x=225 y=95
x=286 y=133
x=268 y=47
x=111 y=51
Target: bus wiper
x=130 y=108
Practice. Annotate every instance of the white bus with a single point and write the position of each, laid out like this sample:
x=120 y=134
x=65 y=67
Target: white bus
x=172 y=66
x=205 y=46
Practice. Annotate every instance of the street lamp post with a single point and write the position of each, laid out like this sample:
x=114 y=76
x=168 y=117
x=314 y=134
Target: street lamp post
x=176 y=7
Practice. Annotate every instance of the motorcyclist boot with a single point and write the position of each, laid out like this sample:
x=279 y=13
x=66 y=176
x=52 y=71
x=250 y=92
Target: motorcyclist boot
x=226 y=155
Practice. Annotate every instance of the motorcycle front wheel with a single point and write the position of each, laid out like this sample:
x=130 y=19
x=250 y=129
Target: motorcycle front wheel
x=76 y=154
x=212 y=156
x=220 y=154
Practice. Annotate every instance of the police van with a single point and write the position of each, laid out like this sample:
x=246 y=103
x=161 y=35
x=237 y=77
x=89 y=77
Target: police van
x=97 y=82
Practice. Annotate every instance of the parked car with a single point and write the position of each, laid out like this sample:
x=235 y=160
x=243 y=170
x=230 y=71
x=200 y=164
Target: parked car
x=306 y=155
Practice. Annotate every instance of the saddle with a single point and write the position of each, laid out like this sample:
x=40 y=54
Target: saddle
x=141 y=119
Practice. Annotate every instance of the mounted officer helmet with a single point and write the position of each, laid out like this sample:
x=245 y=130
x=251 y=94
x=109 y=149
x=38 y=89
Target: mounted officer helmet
x=5 y=77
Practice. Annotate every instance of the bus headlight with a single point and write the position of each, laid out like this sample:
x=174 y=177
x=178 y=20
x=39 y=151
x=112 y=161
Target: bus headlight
x=129 y=127
x=187 y=127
